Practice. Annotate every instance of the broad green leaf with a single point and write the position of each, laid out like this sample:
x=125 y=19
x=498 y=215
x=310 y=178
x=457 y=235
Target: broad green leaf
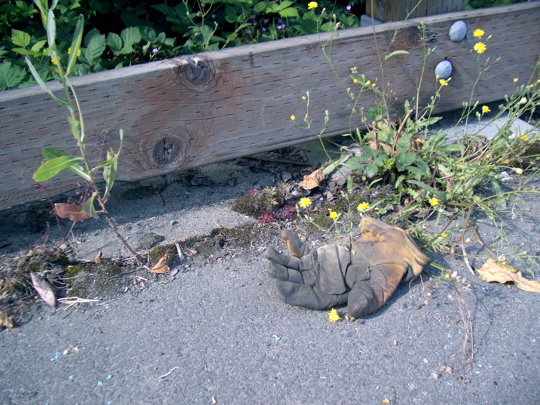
x=289 y=12
x=95 y=49
x=114 y=42
x=22 y=51
x=131 y=36
x=20 y=38
x=89 y=206
x=405 y=159
x=38 y=46
x=75 y=45
x=10 y=76
x=52 y=167
x=260 y=6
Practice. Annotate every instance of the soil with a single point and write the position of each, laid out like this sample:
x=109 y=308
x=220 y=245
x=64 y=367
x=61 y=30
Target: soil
x=212 y=331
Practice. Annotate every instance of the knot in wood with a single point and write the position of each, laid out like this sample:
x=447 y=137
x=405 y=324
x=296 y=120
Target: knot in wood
x=196 y=72
x=166 y=149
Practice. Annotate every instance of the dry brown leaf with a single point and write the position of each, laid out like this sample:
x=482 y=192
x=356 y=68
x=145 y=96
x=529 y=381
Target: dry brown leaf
x=312 y=180
x=491 y=271
x=44 y=289
x=160 y=267
x=99 y=257
x=6 y=321
x=73 y=212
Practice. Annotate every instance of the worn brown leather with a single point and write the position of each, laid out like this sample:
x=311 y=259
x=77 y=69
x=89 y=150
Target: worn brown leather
x=363 y=273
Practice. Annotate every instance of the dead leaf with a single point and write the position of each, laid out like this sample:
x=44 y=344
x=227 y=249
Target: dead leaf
x=160 y=267
x=44 y=289
x=491 y=271
x=73 y=212
x=6 y=321
x=312 y=180
x=99 y=257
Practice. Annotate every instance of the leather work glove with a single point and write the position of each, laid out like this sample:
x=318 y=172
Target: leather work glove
x=363 y=273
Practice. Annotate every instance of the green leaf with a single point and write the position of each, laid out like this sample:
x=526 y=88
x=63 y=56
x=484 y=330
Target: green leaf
x=131 y=36
x=51 y=30
x=89 y=206
x=95 y=49
x=75 y=45
x=114 y=42
x=52 y=167
x=42 y=84
x=51 y=153
x=405 y=159
x=391 y=54
x=289 y=12
x=38 y=46
x=10 y=76
x=436 y=193
x=20 y=38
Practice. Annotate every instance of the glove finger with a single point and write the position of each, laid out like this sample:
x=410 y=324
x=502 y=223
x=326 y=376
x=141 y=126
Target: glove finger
x=294 y=243
x=302 y=295
x=283 y=273
x=274 y=256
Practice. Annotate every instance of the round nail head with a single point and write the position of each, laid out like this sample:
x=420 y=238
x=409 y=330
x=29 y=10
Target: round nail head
x=458 y=31
x=443 y=70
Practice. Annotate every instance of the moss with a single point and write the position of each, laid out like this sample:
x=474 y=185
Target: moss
x=72 y=270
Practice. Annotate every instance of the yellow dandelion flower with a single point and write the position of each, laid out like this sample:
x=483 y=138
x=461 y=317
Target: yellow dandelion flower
x=485 y=109
x=480 y=47
x=293 y=117
x=516 y=79
x=333 y=214
x=524 y=138
x=304 y=202
x=478 y=33
x=443 y=82
x=333 y=316
x=433 y=201
x=312 y=4
x=363 y=206
x=523 y=100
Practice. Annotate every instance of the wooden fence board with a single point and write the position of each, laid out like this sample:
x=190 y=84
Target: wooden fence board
x=191 y=111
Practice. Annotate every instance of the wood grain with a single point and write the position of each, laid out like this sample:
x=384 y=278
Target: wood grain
x=191 y=111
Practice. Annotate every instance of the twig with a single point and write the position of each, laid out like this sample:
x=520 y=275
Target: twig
x=168 y=373
x=465 y=258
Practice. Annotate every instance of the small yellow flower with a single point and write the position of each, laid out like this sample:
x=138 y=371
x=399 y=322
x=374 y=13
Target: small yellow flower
x=312 y=4
x=293 y=117
x=524 y=138
x=478 y=33
x=333 y=316
x=54 y=61
x=304 y=202
x=333 y=214
x=433 y=201
x=442 y=235
x=443 y=82
x=516 y=79
x=355 y=81
x=363 y=206
x=517 y=170
x=78 y=52
x=485 y=109
x=480 y=47
x=373 y=84
x=368 y=82
x=523 y=100
x=304 y=98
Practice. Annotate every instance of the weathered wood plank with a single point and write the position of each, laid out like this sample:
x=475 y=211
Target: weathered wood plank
x=191 y=111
